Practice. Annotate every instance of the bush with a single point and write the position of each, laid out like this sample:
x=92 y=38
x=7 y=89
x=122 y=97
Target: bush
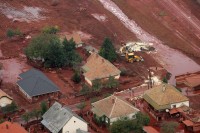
x=50 y=29
x=76 y=77
x=43 y=107
x=10 y=33
x=112 y=82
x=9 y=108
x=123 y=71
x=169 y=127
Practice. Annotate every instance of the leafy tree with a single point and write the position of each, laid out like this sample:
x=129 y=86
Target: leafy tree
x=76 y=77
x=36 y=113
x=97 y=85
x=112 y=82
x=55 y=56
x=50 y=29
x=126 y=125
x=9 y=108
x=85 y=89
x=43 y=107
x=26 y=117
x=169 y=127
x=123 y=126
x=108 y=51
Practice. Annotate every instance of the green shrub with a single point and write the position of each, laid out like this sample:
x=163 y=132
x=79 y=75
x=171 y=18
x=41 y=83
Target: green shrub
x=50 y=29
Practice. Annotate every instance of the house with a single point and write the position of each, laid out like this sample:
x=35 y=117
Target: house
x=11 y=127
x=97 y=67
x=112 y=108
x=163 y=98
x=5 y=99
x=34 y=84
x=190 y=80
x=149 y=129
x=60 y=119
x=75 y=36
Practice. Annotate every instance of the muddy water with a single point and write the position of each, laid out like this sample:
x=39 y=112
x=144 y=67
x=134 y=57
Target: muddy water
x=172 y=60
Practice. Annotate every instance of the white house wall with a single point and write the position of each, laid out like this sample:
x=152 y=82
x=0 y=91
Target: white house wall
x=186 y=103
x=73 y=124
x=130 y=116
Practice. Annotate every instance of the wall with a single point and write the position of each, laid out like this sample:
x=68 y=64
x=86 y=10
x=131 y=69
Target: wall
x=180 y=104
x=130 y=116
x=5 y=101
x=73 y=124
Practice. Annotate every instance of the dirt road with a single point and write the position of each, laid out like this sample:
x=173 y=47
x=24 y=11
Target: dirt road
x=172 y=60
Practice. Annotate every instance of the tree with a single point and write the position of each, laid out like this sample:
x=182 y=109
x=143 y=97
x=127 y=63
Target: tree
x=81 y=106
x=107 y=50
x=43 y=107
x=112 y=82
x=169 y=127
x=165 y=80
x=72 y=57
x=26 y=117
x=55 y=56
x=9 y=108
x=76 y=77
x=50 y=29
x=126 y=125
x=36 y=113
x=97 y=85
x=123 y=126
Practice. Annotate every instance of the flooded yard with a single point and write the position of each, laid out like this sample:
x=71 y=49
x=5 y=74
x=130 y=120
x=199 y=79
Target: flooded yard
x=174 y=61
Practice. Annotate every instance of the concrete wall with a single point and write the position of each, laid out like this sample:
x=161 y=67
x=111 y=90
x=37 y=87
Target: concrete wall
x=186 y=103
x=73 y=124
x=5 y=101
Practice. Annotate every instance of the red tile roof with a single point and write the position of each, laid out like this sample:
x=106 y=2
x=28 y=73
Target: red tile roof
x=8 y=127
x=149 y=129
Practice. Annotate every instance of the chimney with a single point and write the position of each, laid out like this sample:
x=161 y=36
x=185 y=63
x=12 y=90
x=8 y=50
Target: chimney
x=102 y=60
x=164 y=87
x=113 y=100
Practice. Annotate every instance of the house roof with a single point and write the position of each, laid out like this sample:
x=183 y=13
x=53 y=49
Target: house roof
x=76 y=37
x=162 y=96
x=3 y=94
x=35 y=83
x=193 y=81
x=188 y=123
x=8 y=127
x=112 y=107
x=150 y=129
x=97 y=68
x=57 y=117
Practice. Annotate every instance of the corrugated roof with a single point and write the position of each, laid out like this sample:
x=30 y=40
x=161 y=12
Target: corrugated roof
x=188 y=123
x=35 y=83
x=98 y=68
x=162 y=96
x=112 y=107
x=193 y=81
x=57 y=117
